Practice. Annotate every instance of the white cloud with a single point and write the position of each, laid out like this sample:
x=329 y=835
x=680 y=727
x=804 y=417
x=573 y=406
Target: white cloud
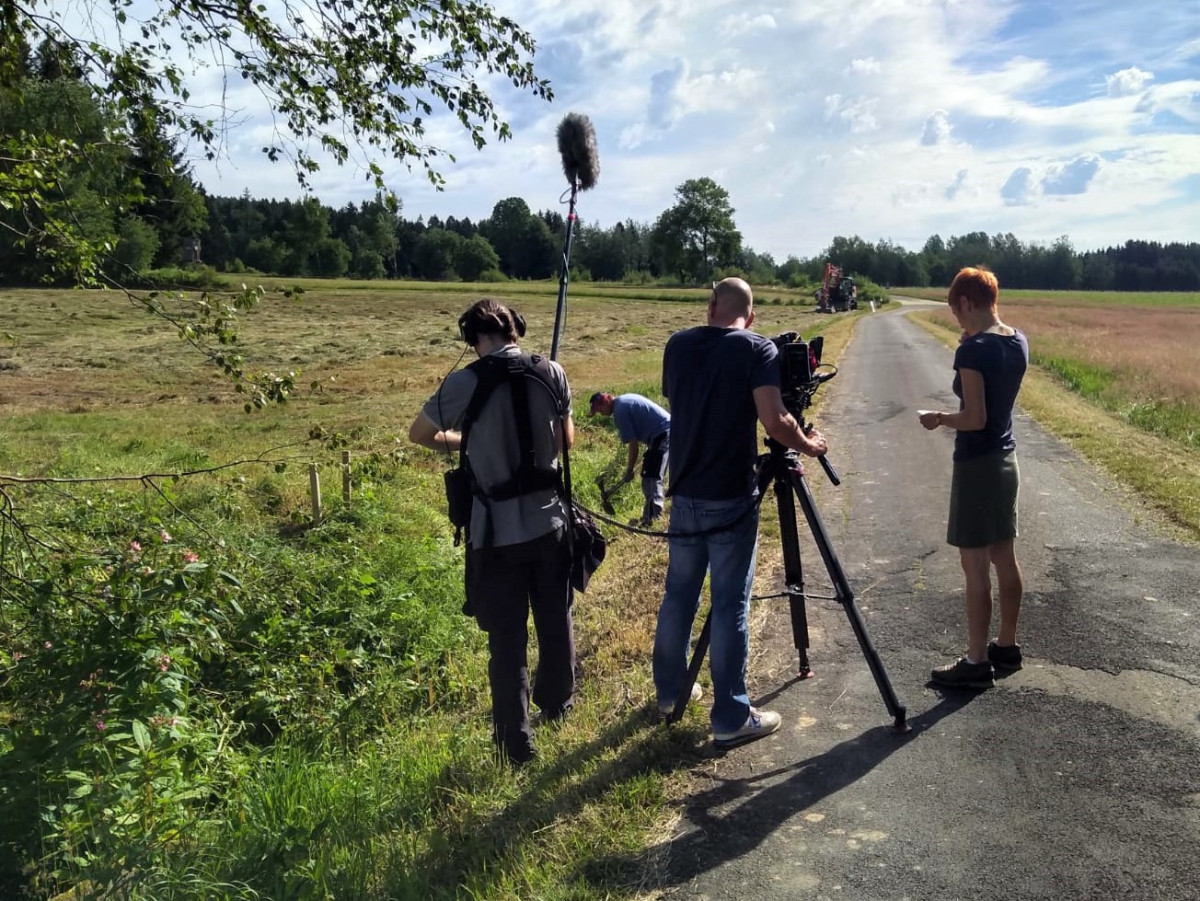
x=832 y=104
x=1020 y=187
x=1071 y=177
x=910 y=194
x=859 y=113
x=936 y=129
x=956 y=187
x=733 y=26
x=1180 y=99
x=1127 y=81
x=866 y=66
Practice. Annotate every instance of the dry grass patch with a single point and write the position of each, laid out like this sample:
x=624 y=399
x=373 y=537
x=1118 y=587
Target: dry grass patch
x=1153 y=349
x=1092 y=298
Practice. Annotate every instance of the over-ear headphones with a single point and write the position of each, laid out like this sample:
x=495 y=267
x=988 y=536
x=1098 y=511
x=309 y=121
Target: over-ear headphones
x=468 y=327
x=465 y=330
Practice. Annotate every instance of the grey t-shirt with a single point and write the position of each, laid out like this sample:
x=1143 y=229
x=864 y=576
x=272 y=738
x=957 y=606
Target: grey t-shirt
x=494 y=450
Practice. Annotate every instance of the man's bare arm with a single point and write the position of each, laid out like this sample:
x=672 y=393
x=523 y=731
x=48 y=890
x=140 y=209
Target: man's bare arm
x=782 y=425
x=425 y=432
x=632 y=461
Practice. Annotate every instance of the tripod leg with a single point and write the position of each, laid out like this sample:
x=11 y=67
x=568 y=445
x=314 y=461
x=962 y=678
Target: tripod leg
x=793 y=573
x=693 y=671
x=846 y=597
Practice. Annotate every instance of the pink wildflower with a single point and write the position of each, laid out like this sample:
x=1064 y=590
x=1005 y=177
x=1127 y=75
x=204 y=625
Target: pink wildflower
x=164 y=662
x=49 y=645
x=191 y=557
x=165 y=536
x=100 y=726
x=135 y=546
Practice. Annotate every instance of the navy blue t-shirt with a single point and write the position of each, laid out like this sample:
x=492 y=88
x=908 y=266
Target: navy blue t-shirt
x=1001 y=360
x=709 y=377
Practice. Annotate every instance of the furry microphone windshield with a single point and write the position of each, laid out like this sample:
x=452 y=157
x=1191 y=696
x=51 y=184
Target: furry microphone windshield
x=577 y=147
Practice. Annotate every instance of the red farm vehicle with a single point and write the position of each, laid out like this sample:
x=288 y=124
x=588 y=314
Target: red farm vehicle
x=837 y=293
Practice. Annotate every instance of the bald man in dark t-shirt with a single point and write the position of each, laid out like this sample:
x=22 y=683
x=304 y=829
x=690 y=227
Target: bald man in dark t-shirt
x=721 y=380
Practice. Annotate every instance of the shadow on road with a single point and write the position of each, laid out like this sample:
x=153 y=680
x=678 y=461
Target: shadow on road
x=716 y=837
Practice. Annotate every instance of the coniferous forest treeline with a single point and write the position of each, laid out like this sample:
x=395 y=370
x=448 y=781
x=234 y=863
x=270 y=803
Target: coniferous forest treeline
x=172 y=222
x=300 y=238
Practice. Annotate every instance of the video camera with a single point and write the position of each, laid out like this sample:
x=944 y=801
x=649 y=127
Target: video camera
x=801 y=371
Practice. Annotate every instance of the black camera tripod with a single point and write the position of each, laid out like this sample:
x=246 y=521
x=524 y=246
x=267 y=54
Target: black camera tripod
x=782 y=467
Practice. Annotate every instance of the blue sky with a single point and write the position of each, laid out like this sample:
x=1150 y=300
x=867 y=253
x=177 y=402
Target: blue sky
x=889 y=119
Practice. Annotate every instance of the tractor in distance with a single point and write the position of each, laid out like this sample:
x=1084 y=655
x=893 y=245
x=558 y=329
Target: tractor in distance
x=837 y=293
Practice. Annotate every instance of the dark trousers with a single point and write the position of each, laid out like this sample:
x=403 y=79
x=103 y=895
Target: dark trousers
x=503 y=585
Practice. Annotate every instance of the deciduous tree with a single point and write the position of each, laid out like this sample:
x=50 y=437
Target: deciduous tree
x=474 y=257
x=697 y=235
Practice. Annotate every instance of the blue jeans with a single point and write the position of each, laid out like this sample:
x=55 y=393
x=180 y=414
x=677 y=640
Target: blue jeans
x=654 y=470
x=729 y=556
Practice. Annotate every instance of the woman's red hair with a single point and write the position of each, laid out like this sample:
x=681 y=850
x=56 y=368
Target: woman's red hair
x=978 y=285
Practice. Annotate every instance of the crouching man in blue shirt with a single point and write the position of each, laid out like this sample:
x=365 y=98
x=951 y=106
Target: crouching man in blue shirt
x=639 y=419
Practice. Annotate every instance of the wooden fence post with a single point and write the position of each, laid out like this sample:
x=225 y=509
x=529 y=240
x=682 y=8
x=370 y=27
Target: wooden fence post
x=314 y=488
x=346 y=478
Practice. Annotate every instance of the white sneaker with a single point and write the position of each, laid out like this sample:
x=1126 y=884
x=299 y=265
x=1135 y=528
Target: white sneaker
x=697 y=694
x=758 y=724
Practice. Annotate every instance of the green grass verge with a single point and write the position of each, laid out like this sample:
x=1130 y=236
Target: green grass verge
x=1175 y=421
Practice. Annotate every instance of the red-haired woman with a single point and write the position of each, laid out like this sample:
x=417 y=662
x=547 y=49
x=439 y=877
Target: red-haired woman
x=989 y=365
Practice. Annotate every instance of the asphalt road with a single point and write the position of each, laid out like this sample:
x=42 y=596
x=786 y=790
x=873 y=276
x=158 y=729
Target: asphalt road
x=1076 y=778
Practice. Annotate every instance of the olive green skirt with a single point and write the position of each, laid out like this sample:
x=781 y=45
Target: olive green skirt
x=983 y=500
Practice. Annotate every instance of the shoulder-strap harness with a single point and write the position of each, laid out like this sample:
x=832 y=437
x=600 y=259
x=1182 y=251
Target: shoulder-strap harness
x=491 y=372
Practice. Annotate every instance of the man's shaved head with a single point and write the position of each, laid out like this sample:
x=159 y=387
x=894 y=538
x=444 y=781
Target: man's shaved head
x=730 y=301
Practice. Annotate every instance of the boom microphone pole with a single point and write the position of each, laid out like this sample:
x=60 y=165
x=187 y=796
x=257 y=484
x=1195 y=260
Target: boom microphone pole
x=581 y=165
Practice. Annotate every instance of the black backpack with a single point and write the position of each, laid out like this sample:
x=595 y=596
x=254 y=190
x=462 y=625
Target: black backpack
x=586 y=542
x=461 y=486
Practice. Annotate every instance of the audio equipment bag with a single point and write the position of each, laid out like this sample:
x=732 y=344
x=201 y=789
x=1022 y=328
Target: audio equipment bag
x=587 y=543
x=459 y=497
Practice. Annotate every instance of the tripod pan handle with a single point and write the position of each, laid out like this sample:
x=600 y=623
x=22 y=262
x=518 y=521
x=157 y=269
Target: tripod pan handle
x=829 y=470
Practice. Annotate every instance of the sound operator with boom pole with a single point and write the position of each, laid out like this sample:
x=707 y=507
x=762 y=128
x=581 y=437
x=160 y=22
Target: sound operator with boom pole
x=509 y=416
x=719 y=374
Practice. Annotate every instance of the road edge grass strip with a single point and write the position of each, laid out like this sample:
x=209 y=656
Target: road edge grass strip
x=1163 y=475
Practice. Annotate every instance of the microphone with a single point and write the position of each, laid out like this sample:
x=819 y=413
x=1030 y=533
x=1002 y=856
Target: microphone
x=577 y=147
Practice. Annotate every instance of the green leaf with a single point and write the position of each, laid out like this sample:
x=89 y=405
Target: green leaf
x=141 y=735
